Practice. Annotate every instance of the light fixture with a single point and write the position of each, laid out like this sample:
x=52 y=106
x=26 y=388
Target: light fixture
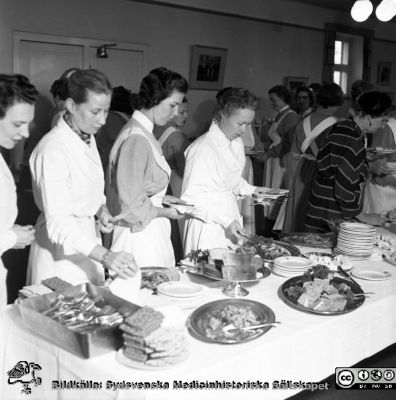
x=361 y=10
x=101 y=51
x=386 y=10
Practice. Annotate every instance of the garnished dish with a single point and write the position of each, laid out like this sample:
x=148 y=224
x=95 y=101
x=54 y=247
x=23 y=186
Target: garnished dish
x=329 y=261
x=318 y=291
x=310 y=239
x=268 y=249
x=153 y=276
x=228 y=321
x=269 y=195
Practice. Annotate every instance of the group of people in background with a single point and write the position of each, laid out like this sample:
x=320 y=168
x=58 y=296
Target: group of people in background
x=106 y=175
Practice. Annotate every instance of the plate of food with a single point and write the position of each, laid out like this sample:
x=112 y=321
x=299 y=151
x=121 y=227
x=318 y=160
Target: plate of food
x=329 y=261
x=268 y=249
x=153 y=276
x=324 y=240
x=318 y=291
x=269 y=195
x=207 y=322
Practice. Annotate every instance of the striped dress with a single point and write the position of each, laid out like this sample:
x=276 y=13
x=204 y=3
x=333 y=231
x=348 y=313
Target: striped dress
x=337 y=191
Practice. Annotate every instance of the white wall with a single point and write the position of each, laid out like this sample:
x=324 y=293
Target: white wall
x=260 y=54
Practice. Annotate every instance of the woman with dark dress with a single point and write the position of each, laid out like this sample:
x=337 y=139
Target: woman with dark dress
x=342 y=168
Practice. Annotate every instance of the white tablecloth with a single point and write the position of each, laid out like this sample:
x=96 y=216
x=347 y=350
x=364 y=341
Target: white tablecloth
x=304 y=347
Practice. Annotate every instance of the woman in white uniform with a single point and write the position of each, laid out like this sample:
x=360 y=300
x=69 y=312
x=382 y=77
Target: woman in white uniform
x=68 y=188
x=138 y=177
x=213 y=174
x=17 y=98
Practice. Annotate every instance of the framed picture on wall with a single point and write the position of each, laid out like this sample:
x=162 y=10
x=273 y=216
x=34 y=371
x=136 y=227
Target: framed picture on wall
x=207 y=67
x=384 y=73
x=294 y=82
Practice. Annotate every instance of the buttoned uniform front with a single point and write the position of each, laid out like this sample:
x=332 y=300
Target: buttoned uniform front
x=68 y=188
x=8 y=214
x=212 y=181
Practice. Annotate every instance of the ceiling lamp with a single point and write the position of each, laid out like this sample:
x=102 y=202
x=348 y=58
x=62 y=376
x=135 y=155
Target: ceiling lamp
x=386 y=10
x=361 y=10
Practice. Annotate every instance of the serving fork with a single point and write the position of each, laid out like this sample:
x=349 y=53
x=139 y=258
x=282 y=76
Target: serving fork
x=232 y=327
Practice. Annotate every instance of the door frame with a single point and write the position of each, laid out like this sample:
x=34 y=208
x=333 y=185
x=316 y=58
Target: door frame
x=86 y=44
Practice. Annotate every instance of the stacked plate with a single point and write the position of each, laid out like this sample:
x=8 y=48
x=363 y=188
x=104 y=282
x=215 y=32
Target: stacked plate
x=290 y=266
x=356 y=240
x=392 y=167
x=183 y=294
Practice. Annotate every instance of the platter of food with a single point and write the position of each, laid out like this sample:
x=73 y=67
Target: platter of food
x=153 y=276
x=320 y=240
x=329 y=261
x=269 y=249
x=318 y=291
x=207 y=322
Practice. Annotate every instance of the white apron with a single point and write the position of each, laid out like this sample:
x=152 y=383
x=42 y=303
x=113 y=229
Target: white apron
x=8 y=214
x=274 y=170
x=380 y=199
x=85 y=189
x=156 y=236
x=310 y=136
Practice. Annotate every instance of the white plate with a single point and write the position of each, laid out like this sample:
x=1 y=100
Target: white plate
x=371 y=274
x=182 y=208
x=124 y=360
x=179 y=289
x=294 y=262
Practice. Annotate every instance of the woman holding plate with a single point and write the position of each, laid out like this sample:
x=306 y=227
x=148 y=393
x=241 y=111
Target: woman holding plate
x=213 y=174
x=342 y=167
x=138 y=176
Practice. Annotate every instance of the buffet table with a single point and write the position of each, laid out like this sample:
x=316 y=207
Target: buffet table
x=304 y=347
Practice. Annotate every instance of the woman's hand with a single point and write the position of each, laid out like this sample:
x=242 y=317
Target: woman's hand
x=24 y=234
x=235 y=230
x=105 y=220
x=122 y=263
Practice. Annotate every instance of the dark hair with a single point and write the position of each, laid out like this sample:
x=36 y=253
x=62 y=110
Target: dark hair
x=82 y=81
x=121 y=100
x=15 y=89
x=281 y=92
x=375 y=104
x=230 y=99
x=308 y=91
x=69 y=72
x=330 y=95
x=359 y=87
x=59 y=89
x=157 y=86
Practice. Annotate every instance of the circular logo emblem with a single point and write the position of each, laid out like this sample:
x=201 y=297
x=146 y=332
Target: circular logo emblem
x=363 y=375
x=376 y=374
x=389 y=374
x=345 y=378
